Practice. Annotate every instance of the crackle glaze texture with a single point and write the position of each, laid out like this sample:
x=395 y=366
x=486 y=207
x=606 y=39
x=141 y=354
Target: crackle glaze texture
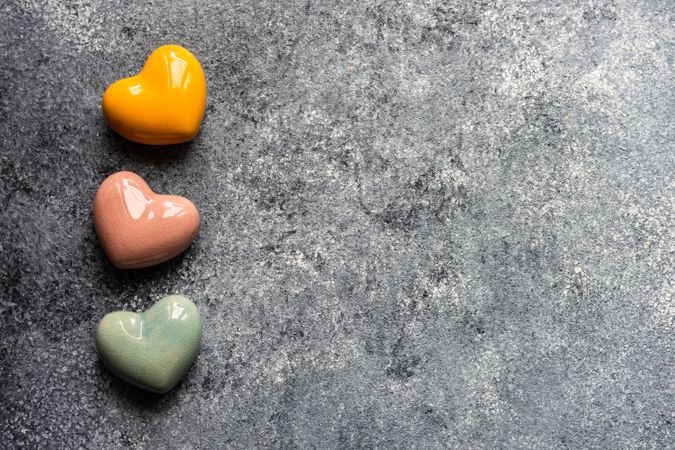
x=153 y=349
x=138 y=228
x=424 y=224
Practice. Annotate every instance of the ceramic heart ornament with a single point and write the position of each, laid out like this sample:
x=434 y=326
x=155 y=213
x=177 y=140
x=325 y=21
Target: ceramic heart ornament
x=153 y=349
x=163 y=104
x=138 y=228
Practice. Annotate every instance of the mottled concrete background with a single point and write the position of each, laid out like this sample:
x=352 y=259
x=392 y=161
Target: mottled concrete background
x=425 y=224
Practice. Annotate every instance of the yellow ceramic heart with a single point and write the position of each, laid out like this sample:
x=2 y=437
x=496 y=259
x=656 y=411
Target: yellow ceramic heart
x=163 y=104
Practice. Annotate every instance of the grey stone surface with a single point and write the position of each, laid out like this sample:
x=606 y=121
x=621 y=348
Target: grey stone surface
x=425 y=224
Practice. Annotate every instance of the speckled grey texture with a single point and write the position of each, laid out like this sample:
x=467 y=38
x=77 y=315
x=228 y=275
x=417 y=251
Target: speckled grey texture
x=425 y=224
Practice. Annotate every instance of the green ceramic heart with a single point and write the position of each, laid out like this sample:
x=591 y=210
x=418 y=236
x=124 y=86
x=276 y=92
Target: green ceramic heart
x=151 y=350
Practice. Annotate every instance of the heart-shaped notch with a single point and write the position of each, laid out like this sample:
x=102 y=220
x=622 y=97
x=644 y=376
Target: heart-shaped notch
x=163 y=104
x=138 y=228
x=153 y=349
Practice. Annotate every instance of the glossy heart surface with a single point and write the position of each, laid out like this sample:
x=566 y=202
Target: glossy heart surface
x=153 y=349
x=138 y=228
x=163 y=104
